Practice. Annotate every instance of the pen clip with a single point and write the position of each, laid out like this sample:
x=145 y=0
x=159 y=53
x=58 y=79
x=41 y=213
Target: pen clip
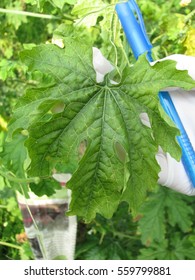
x=134 y=7
x=134 y=28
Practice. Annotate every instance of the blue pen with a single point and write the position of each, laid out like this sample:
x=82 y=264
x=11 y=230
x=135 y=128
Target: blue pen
x=133 y=26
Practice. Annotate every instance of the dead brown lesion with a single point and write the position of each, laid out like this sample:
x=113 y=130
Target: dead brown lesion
x=82 y=148
x=21 y=237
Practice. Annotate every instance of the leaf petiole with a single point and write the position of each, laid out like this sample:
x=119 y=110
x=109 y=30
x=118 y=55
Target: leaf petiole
x=9 y=176
x=10 y=245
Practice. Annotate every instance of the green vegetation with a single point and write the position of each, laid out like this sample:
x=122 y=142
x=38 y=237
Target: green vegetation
x=52 y=102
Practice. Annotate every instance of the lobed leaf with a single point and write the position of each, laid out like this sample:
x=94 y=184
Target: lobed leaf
x=106 y=116
x=161 y=212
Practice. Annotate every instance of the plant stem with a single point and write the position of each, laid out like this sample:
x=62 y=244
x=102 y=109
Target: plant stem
x=10 y=245
x=24 y=13
x=122 y=235
x=190 y=15
x=28 y=14
x=3 y=206
x=38 y=235
x=30 y=82
x=11 y=177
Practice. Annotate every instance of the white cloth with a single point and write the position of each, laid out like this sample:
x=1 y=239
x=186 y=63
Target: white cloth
x=172 y=173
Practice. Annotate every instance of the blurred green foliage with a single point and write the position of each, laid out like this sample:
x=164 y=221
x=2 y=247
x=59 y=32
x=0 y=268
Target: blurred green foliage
x=164 y=229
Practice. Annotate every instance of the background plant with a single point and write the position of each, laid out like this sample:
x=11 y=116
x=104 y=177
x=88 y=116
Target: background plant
x=96 y=24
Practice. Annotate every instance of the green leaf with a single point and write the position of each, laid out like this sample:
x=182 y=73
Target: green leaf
x=175 y=26
x=15 y=20
x=176 y=248
x=56 y=3
x=102 y=115
x=47 y=186
x=6 y=69
x=157 y=251
x=189 y=42
x=89 y=11
x=26 y=252
x=162 y=211
x=179 y=212
x=60 y=3
x=14 y=155
x=182 y=247
x=109 y=249
x=152 y=224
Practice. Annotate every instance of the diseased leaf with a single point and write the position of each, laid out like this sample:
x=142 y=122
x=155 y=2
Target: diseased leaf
x=102 y=115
